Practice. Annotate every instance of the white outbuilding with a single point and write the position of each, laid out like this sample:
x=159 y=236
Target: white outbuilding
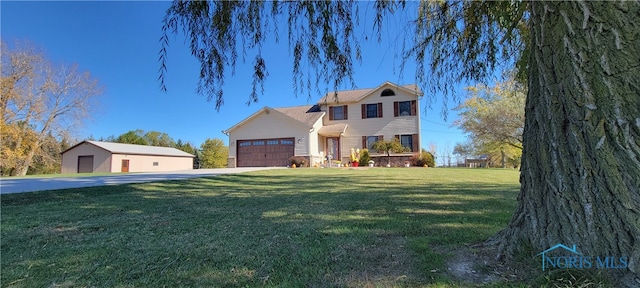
x=107 y=157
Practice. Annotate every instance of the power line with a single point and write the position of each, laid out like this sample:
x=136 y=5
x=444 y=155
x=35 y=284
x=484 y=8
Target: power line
x=433 y=122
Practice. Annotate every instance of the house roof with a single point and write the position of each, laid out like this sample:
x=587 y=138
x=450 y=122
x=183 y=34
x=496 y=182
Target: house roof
x=121 y=148
x=301 y=114
x=305 y=115
x=350 y=96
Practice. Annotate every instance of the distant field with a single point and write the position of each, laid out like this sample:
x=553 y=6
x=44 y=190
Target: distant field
x=279 y=228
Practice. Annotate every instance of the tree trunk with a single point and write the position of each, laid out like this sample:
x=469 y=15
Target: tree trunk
x=22 y=167
x=580 y=172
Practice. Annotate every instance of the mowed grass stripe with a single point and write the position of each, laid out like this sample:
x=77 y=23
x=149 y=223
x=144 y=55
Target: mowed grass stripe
x=277 y=228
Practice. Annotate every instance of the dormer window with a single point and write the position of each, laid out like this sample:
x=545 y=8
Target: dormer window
x=387 y=92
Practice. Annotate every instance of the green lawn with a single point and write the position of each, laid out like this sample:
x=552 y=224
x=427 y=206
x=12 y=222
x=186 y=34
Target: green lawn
x=281 y=228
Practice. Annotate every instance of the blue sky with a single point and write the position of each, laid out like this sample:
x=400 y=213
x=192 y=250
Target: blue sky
x=118 y=43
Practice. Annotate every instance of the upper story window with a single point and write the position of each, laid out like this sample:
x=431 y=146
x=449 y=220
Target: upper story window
x=387 y=92
x=404 y=108
x=372 y=110
x=338 y=112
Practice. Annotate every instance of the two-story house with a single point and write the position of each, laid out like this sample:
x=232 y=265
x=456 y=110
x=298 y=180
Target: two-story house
x=329 y=129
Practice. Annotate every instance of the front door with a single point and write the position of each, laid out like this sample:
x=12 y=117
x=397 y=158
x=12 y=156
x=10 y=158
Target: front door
x=125 y=166
x=333 y=148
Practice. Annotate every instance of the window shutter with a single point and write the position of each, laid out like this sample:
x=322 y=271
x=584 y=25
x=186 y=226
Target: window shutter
x=330 y=113
x=344 y=110
x=364 y=142
x=379 y=110
x=414 y=143
x=397 y=137
x=396 y=109
x=364 y=111
x=381 y=138
x=414 y=107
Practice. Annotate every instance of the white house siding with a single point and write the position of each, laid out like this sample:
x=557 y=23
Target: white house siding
x=101 y=159
x=314 y=143
x=144 y=163
x=270 y=125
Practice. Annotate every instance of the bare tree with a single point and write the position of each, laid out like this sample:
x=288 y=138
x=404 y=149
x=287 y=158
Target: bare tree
x=39 y=100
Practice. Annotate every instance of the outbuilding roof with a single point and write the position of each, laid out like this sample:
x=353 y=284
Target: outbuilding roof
x=121 y=148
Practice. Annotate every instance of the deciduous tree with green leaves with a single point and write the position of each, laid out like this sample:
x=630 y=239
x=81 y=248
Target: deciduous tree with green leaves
x=213 y=153
x=494 y=114
x=494 y=119
x=581 y=153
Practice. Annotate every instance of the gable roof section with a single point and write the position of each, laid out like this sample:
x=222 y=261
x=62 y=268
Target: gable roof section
x=303 y=115
x=351 y=96
x=121 y=148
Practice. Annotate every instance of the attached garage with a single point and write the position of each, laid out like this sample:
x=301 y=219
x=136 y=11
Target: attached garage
x=271 y=136
x=107 y=157
x=265 y=152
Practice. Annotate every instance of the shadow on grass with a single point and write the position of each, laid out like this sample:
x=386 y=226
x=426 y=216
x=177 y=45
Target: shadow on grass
x=277 y=228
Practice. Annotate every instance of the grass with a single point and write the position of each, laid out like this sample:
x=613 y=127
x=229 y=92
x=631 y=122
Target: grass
x=278 y=228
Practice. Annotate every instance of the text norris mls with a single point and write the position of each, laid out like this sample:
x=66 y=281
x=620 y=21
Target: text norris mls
x=579 y=261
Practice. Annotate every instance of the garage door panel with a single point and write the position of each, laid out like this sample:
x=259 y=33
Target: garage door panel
x=265 y=152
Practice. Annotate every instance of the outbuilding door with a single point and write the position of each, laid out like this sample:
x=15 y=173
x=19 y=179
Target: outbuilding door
x=125 y=166
x=85 y=164
x=265 y=152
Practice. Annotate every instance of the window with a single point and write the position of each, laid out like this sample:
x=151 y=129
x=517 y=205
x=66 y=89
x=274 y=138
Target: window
x=244 y=144
x=155 y=163
x=272 y=142
x=372 y=110
x=258 y=143
x=286 y=142
x=404 y=108
x=367 y=141
x=338 y=112
x=387 y=92
x=410 y=142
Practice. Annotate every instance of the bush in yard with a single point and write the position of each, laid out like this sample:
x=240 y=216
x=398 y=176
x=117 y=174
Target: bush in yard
x=299 y=161
x=424 y=158
x=364 y=157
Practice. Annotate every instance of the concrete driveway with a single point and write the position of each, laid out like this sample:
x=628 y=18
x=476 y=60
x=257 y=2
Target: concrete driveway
x=19 y=185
